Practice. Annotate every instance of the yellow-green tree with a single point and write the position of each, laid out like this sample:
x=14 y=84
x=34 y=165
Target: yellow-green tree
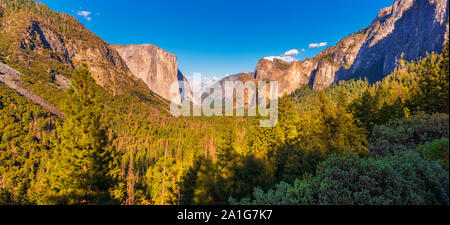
x=432 y=94
x=77 y=171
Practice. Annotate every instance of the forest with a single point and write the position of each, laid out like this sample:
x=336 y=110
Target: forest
x=352 y=143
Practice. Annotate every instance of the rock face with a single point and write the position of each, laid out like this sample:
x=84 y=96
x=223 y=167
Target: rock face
x=36 y=38
x=270 y=70
x=105 y=64
x=157 y=68
x=408 y=29
x=186 y=90
x=296 y=75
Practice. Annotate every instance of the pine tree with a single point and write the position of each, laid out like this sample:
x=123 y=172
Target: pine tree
x=444 y=80
x=226 y=153
x=338 y=128
x=432 y=94
x=78 y=169
x=365 y=110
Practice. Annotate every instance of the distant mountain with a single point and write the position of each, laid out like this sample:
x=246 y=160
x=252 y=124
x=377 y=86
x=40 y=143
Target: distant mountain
x=244 y=77
x=408 y=29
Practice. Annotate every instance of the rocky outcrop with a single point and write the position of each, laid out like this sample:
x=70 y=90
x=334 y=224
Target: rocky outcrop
x=270 y=70
x=297 y=75
x=62 y=82
x=290 y=76
x=333 y=60
x=11 y=78
x=157 y=68
x=105 y=64
x=39 y=39
x=408 y=29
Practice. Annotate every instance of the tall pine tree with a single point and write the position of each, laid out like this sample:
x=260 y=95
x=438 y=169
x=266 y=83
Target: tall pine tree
x=79 y=166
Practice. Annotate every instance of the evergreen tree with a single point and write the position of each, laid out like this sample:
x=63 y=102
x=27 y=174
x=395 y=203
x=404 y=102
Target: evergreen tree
x=226 y=153
x=340 y=133
x=432 y=93
x=78 y=170
x=365 y=110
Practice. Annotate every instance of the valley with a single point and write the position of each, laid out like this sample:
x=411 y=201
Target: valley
x=86 y=122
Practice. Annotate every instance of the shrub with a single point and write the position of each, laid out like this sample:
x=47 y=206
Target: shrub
x=406 y=134
x=437 y=150
x=405 y=178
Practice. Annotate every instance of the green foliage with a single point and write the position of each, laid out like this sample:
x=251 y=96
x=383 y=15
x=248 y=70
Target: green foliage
x=413 y=87
x=152 y=158
x=26 y=132
x=372 y=109
x=432 y=93
x=328 y=129
x=163 y=181
x=229 y=172
x=126 y=149
x=383 y=112
x=401 y=135
x=360 y=181
x=437 y=150
x=226 y=153
x=77 y=171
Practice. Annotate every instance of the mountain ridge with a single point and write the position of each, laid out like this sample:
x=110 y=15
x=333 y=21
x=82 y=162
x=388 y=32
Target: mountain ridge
x=46 y=46
x=369 y=52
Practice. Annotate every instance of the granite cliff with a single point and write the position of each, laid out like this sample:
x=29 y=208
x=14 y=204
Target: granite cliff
x=408 y=29
x=156 y=67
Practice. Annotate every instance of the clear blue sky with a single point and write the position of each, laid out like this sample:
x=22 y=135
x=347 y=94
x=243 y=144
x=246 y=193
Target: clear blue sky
x=220 y=37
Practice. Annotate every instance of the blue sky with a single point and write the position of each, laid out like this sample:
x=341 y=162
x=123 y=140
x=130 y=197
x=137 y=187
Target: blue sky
x=222 y=37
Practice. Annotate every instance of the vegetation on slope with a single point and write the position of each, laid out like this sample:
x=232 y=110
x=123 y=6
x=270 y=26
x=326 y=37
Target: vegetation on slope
x=42 y=44
x=353 y=143
x=405 y=117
